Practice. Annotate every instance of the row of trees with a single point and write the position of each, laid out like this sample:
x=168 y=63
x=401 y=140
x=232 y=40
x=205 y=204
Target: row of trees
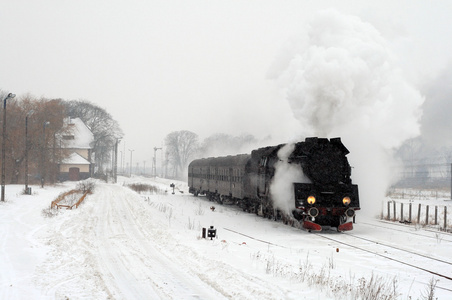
x=32 y=129
x=183 y=146
x=43 y=118
x=105 y=129
x=422 y=165
x=34 y=125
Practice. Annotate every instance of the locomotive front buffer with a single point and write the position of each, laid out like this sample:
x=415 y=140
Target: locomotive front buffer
x=333 y=206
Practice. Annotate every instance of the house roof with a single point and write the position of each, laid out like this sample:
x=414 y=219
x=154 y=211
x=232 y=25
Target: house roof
x=81 y=138
x=75 y=159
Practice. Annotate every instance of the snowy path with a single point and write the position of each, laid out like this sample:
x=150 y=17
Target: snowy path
x=18 y=227
x=128 y=260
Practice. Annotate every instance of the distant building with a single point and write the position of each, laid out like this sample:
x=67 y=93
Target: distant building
x=76 y=147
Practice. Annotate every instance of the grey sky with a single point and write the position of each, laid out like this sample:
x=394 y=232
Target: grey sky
x=161 y=66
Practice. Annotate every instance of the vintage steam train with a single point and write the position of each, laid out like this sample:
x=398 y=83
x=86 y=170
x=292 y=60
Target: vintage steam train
x=323 y=196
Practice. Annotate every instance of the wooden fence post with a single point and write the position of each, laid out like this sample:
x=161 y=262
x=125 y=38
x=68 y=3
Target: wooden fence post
x=394 y=215
x=436 y=214
x=419 y=214
x=426 y=215
x=389 y=210
x=445 y=218
x=401 y=211
x=409 y=216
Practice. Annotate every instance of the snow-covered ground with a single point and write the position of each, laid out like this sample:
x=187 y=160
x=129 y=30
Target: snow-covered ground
x=122 y=245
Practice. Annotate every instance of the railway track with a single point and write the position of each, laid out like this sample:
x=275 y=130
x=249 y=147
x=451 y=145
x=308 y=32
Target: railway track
x=426 y=263
x=400 y=249
x=405 y=257
x=445 y=236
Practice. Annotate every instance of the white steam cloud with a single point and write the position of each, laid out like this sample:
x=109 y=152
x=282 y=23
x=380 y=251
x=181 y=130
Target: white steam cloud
x=341 y=79
x=281 y=189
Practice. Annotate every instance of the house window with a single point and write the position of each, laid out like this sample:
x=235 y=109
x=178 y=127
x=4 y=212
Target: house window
x=68 y=137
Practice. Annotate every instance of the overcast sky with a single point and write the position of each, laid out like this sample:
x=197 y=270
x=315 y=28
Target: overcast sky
x=162 y=66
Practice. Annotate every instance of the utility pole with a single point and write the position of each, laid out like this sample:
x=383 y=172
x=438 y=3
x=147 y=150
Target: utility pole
x=161 y=163
x=121 y=169
x=27 y=192
x=10 y=96
x=166 y=164
x=154 y=165
x=115 y=162
x=43 y=153
x=123 y=162
x=130 y=165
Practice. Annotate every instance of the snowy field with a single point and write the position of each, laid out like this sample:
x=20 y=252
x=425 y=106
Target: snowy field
x=123 y=245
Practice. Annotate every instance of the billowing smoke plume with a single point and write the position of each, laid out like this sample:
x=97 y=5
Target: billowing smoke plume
x=341 y=79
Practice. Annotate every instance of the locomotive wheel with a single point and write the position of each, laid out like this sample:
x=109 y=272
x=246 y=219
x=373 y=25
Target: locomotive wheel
x=268 y=214
x=256 y=209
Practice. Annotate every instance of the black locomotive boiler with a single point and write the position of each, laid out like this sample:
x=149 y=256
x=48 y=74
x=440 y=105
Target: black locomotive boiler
x=324 y=197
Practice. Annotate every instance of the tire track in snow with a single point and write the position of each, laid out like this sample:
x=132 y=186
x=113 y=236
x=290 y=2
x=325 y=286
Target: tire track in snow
x=129 y=262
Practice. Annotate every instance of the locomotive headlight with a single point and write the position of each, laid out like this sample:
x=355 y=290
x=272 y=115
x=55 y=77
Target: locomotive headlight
x=346 y=200
x=311 y=199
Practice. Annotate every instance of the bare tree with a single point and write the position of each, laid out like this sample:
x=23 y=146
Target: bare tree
x=39 y=145
x=105 y=129
x=224 y=144
x=181 y=147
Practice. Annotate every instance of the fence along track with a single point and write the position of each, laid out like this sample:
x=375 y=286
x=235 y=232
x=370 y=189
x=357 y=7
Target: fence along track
x=395 y=211
x=55 y=203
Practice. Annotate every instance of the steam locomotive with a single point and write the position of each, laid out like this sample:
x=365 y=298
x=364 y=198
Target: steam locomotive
x=320 y=193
